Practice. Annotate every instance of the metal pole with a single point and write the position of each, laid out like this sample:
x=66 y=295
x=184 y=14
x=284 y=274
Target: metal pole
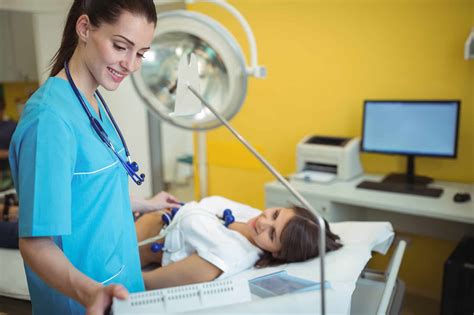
x=284 y=182
x=156 y=154
x=202 y=163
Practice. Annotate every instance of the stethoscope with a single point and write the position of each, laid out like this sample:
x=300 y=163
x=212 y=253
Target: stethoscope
x=131 y=167
x=169 y=222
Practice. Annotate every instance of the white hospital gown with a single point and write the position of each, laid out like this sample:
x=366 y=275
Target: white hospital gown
x=199 y=231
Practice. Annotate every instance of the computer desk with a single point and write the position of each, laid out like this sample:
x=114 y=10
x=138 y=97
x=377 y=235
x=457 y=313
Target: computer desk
x=342 y=201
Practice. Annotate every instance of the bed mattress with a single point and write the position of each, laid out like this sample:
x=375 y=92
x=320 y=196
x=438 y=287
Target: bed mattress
x=342 y=269
x=12 y=275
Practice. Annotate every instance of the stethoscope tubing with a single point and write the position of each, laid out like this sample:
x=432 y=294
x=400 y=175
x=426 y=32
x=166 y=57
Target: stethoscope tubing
x=131 y=167
x=111 y=117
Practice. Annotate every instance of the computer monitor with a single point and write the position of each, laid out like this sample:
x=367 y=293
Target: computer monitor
x=411 y=128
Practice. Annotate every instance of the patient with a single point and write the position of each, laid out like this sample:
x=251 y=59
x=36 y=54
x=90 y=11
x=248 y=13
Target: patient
x=199 y=248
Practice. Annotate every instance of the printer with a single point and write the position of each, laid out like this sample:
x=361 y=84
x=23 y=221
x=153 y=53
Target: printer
x=321 y=158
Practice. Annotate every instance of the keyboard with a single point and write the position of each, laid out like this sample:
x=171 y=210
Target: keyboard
x=401 y=188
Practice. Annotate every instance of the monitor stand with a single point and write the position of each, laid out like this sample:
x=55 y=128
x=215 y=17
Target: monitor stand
x=409 y=177
x=404 y=183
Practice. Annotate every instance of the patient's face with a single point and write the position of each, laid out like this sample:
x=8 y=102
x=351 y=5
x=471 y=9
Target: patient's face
x=265 y=229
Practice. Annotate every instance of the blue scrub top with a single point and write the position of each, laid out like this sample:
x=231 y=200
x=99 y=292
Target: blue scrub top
x=71 y=187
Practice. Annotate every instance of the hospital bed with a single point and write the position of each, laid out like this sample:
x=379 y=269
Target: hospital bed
x=12 y=275
x=351 y=292
x=353 y=289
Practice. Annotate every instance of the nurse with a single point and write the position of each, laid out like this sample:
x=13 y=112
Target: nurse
x=77 y=236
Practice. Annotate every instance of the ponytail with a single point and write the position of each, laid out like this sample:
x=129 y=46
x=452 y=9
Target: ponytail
x=69 y=40
x=98 y=11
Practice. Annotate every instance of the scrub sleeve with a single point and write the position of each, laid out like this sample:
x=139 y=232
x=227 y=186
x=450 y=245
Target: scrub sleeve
x=46 y=163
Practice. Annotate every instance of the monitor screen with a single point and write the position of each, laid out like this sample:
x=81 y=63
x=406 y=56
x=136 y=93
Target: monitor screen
x=427 y=128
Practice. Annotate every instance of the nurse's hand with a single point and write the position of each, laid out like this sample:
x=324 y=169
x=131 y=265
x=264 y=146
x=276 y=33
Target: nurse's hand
x=164 y=200
x=102 y=300
x=160 y=201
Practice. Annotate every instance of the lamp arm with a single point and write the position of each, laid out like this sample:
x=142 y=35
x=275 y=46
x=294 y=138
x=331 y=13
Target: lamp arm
x=254 y=69
x=469 y=46
x=284 y=182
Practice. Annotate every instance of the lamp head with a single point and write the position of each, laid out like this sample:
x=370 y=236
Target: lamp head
x=221 y=63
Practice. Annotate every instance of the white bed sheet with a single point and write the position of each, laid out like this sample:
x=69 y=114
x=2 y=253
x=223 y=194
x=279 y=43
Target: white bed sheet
x=342 y=269
x=12 y=275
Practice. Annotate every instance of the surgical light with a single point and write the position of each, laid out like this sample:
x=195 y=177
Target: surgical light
x=221 y=64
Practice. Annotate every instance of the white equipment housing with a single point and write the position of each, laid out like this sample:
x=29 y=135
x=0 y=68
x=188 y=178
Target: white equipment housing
x=333 y=155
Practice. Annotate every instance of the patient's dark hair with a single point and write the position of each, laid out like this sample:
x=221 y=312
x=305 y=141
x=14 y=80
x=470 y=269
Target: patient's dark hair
x=98 y=11
x=300 y=240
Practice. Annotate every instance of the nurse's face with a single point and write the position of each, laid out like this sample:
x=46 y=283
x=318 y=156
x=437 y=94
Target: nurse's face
x=265 y=230
x=113 y=51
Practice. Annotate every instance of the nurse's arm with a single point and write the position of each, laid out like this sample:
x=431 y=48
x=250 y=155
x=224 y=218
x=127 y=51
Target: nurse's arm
x=192 y=269
x=43 y=256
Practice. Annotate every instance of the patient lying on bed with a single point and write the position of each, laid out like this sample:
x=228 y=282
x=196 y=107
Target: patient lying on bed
x=199 y=248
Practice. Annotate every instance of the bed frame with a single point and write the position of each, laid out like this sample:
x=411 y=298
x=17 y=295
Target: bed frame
x=375 y=293
x=380 y=292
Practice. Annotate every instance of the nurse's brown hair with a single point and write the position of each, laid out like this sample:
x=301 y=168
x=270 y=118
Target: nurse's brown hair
x=300 y=240
x=98 y=11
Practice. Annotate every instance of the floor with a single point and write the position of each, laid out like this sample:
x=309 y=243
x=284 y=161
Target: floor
x=417 y=305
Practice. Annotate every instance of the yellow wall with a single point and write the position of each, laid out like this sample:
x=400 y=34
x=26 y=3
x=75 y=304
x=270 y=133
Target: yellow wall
x=324 y=57
x=16 y=94
x=422 y=266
